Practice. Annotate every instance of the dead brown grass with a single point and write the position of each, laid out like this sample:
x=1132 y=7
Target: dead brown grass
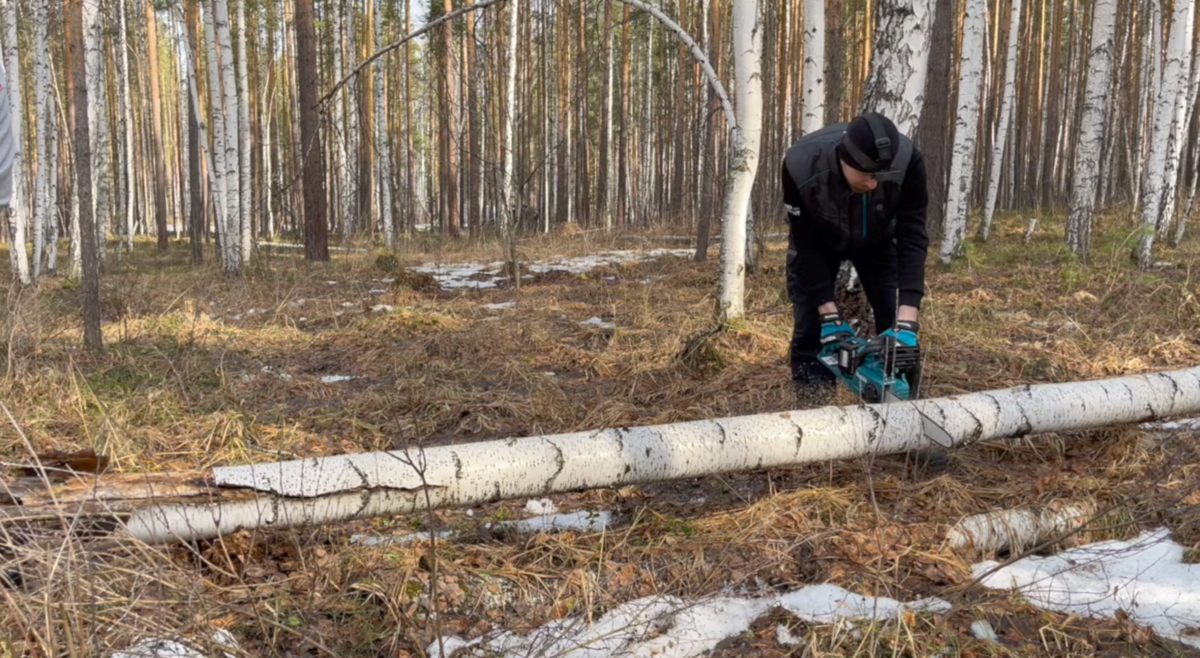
x=192 y=378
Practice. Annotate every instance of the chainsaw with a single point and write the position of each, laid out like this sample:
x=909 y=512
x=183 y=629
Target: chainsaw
x=880 y=370
x=875 y=370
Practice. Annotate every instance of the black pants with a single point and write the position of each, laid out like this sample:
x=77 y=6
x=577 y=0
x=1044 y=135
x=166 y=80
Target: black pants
x=876 y=266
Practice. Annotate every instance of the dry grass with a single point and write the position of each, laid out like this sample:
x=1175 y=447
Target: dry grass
x=191 y=378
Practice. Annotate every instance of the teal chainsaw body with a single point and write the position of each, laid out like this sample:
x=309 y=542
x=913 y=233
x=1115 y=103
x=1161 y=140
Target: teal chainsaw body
x=876 y=370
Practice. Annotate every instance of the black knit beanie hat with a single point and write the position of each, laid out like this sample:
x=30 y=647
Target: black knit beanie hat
x=860 y=134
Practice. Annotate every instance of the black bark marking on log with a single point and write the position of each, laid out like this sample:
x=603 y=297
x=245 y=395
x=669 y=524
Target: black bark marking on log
x=799 y=436
x=724 y=435
x=978 y=431
x=875 y=432
x=995 y=403
x=497 y=495
x=458 y=466
x=620 y=439
x=560 y=463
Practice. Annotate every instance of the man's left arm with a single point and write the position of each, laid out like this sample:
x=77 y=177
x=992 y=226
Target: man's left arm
x=912 y=238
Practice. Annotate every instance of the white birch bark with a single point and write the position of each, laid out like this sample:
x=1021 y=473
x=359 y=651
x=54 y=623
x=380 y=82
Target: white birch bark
x=1001 y=142
x=507 y=217
x=93 y=28
x=1086 y=169
x=126 y=205
x=42 y=92
x=183 y=507
x=962 y=158
x=217 y=166
x=814 y=66
x=18 y=216
x=895 y=86
x=233 y=200
x=244 y=150
x=1019 y=529
x=51 y=175
x=747 y=137
x=383 y=151
x=1151 y=59
x=1179 y=135
x=1166 y=119
x=340 y=209
x=649 y=162
x=610 y=182
x=1192 y=99
x=184 y=126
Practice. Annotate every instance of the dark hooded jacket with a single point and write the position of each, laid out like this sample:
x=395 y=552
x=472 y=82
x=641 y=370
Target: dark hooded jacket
x=828 y=221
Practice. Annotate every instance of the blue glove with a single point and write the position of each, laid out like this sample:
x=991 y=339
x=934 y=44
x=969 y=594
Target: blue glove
x=904 y=333
x=834 y=329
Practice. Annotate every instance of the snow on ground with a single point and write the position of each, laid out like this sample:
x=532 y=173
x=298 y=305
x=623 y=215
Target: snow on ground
x=159 y=648
x=336 y=379
x=1187 y=424
x=1145 y=577
x=668 y=627
x=544 y=506
x=482 y=276
x=500 y=306
x=599 y=323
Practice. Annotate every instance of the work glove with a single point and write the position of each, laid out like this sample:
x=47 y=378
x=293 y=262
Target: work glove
x=900 y=347
x=834 y=329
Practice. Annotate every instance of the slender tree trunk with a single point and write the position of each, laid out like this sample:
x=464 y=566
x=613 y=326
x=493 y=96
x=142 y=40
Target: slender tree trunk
x=127 y=146
x=225 y=106
x=316 y=241
x=156 y=125
x=1095 y=109
x=814 y=65
x=383 y=150
x=101 y=178
x=92 y=338
x=43 y=93
x=18 y=218
x=747 y=138
x=510 y=201
x=835 y=82
x=219 y=168
x=930 y=136
x=967 y=118
x=246 y=220
x=1160 y=178
x=1008 y=95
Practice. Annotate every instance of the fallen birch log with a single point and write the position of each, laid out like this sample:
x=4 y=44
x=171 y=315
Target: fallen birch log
x=205 y=504
x=1018 y=529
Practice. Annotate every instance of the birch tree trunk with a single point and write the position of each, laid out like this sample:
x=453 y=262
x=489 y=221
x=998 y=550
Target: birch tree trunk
x=814 y=66
x=996 y=163
x=218 y=167
x=1086 y=170
x=1179 y=133
x=1192 y=99
x=42 y=93
x=18 y=216
x=218 y=501
x=1159 y=177
x=383 y=150
x=244 y=128
x=225 y=107
x=747 y=136
x=126 y=206
x=97 y=111
x=962 y=159
x=895 y=86
x=509 y=201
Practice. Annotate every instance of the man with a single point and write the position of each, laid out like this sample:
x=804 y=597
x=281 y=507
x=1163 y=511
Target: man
x=8 y=147
x=852 y=192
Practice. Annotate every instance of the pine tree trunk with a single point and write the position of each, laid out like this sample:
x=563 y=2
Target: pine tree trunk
x=967 y=118
x=88 y=247
x=156 y=125
x=835 y=79
x=930 y=136
x=1008 y=95
x=1095 y=108
x=312 y=160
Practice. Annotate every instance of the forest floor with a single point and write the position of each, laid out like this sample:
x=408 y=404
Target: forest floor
x=297 y=359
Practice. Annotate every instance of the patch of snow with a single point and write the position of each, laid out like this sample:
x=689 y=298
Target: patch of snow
x=336 y=379
x=586 y=520
x=1188 y=424
x=543 y=507
x=598 y=323
x=382 y=308
x=348 y=304
x=302 y=319
x=667 y=627
x=376 y=291
x=401 y=540
x=332 y=283
x=452 y=276
x=785 y=637
x=159 y=648
x=1145 y=577
x=500 y=305
x=982 y=630
x=421 y=228
x=549 y=373
x=388 y=281
x=236 y=317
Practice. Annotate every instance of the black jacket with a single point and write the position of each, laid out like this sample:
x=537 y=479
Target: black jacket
x=828 y=221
